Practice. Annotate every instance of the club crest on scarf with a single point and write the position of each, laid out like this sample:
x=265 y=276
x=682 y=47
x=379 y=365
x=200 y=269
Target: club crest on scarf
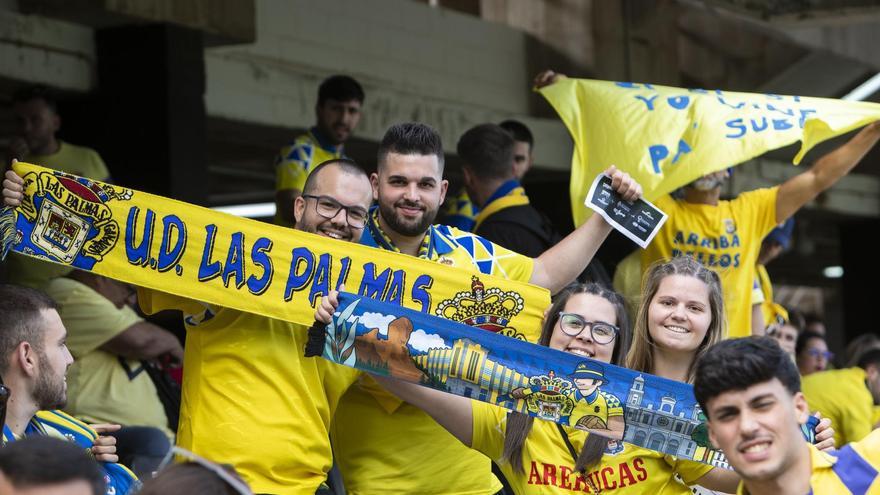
x=490 y=309
x=67 y=219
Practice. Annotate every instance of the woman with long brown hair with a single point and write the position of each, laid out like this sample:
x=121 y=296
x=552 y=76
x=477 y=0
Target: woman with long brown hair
x=543 y=457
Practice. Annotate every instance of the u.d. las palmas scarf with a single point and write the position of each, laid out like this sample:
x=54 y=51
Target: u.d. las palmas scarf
x=194 y=252
x=620 y=404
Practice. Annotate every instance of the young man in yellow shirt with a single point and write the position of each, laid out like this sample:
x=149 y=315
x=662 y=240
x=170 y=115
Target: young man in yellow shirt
x=389 y=456
x=750 y=391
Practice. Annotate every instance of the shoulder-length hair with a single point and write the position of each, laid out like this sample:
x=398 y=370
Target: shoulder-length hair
x=641 y=353
x=519 y=425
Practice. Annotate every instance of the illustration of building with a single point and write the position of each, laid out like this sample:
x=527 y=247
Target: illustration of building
x=659 y=429
x=466 y=370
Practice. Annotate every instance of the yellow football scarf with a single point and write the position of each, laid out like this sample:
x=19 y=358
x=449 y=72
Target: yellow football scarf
x=194 y=252
x=667 y=137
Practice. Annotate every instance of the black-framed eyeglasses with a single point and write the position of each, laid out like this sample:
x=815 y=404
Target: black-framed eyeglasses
x=328 y=207
x=238 y=485
x=816 y=353
x=573 y=324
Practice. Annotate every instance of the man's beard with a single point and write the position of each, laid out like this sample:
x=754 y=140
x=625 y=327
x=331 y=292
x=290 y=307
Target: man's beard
x=706 y=183
x=400 y=226
x=49 y=394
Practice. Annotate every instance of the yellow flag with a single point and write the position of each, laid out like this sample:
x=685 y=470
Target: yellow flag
x=193 y=252
x=667 y=137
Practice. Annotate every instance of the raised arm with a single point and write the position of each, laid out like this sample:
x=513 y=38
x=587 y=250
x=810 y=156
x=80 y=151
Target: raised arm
x=803 y=188
x=561 y=264
x=452 y=412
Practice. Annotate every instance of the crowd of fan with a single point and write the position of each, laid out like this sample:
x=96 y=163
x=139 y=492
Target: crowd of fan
x=82 y=366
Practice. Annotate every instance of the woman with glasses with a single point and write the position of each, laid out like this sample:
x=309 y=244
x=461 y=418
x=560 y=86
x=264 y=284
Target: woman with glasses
x=544 y=457
x=812 y=353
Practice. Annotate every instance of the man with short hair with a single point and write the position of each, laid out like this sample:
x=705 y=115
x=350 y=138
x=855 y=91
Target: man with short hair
x=409 y=188
x=460 y=211
x=337 y=112
x=505 y=216
x=847 y=396
x=250 y=397
x=48 y=466
x=33 y=363
x=749 y=390
x=37 y=122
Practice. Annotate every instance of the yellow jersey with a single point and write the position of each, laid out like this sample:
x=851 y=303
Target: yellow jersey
x=852 y=470
x=725 y=237
x=385 y=446
x=549 y=465
x=596 y=405
x=77 y=160
x=842 y=396
x=103 y=387
x=250 y=398
x=296 y=161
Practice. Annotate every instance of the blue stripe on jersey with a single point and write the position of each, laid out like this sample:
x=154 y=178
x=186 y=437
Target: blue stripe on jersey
x=854 y=471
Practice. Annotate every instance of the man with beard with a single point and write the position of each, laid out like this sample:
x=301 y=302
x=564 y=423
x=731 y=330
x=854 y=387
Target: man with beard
x=338 y=112
x=248 y=373
x=750 y=391
x=33 y=363
x=389 y=456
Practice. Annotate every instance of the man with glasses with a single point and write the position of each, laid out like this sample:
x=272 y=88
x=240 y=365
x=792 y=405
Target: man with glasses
x=250 y=398
x=847 y=397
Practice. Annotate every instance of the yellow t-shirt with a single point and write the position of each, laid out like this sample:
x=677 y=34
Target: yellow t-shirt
x=549 y=465
x=851 y=470
x=296 y=161
x=726 y=238
x=250 y=398
x=384 y=446
x=842 y=396
x=78 y=160
x=598 y=405
x=103 y=387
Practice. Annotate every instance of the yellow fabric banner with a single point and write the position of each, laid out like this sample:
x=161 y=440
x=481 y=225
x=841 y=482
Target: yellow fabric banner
x=194 y=252
x=666 y=137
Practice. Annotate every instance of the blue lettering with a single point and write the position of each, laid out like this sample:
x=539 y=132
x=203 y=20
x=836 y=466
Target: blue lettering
x=140 y=254
x=738 y=125
x=736 y=260
x=804 y=113
x=735 y=241
x=781 y=125
x=321 y=280
x=759 y=128
x=260 y=256
x=648 y=101
x=343 y=273
x=396 y=288
x=787 y=111
x=235 y=261
x=168 y=258
x=682 y=149
x=724 y=261
x=706 y=243
x=721 y=100
x=724 y=242
x=658 y=152
x=627 y=85
x=678 y=102
x=373 y=285
x=420 y=292
x=207 y=268
x=296 y=281
x=679 y=238
x=693 y=240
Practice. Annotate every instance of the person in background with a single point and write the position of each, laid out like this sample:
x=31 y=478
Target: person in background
x=337 y=114
x=37 y=123
x=811 y=352
x=48 y=466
